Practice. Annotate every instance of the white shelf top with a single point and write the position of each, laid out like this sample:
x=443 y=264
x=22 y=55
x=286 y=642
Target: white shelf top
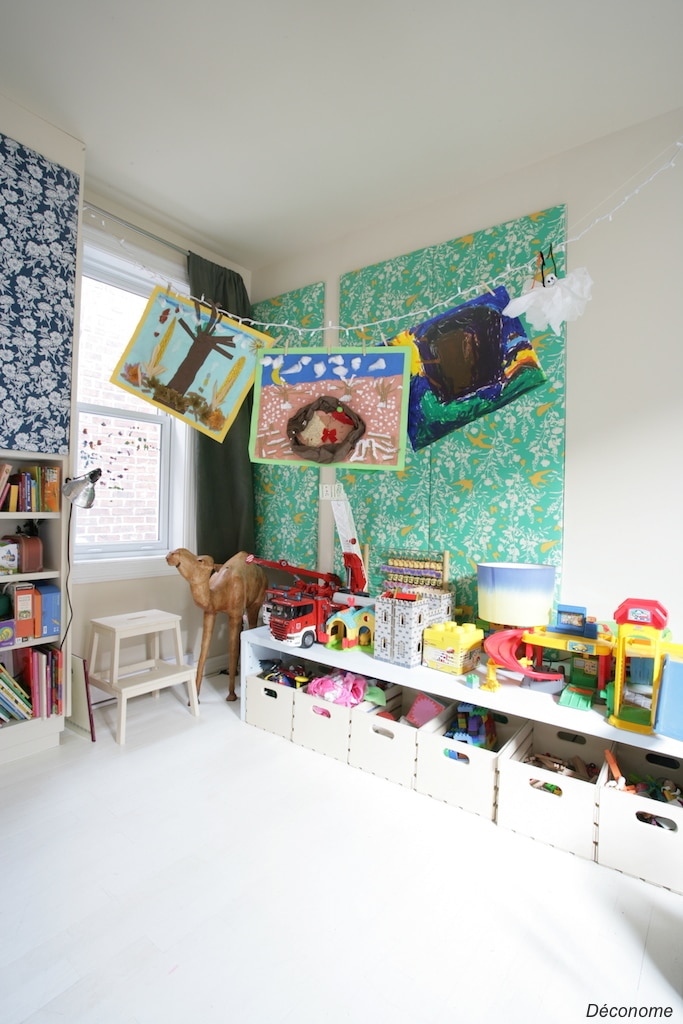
x=511 y=698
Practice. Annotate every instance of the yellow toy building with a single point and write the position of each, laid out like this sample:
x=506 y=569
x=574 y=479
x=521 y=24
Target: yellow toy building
x=638 y=662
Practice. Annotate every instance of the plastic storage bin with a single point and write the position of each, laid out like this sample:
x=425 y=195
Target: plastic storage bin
x=628 y=839
x=270 y=706
x=384 y=747
x=459 y=772
x=556 y=809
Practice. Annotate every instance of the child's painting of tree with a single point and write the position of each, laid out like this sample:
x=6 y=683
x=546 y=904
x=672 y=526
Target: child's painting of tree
x=191 y=360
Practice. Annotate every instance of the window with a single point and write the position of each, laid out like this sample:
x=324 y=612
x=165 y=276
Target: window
x=140 y=511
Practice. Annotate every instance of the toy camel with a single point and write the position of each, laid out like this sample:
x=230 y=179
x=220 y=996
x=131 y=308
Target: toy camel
x=237 y=588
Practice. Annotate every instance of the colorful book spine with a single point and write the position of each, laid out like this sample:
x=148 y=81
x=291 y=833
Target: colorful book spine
x=19 y=708
x=19 y=691
x=56 y=656
x=10 y=709
x=40 y=670
x=5 y=473
x=51 y=488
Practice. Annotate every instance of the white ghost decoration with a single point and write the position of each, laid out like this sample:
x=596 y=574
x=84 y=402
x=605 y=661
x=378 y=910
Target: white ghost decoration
x=318 y=369
x=562 y=298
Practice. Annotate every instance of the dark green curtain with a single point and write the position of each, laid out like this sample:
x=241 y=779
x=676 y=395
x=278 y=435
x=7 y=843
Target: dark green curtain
x=224 y=482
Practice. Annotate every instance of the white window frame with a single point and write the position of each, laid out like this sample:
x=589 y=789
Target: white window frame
x=138 y=265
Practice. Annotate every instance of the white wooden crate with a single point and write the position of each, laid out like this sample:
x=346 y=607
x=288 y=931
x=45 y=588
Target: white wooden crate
x=458 y=772
x=567 y=820
x=627 y=841
x=321 y=725
x=382 y=746
x=269 y=706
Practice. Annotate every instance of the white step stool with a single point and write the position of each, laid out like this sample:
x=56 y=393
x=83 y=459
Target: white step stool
x=147 y=676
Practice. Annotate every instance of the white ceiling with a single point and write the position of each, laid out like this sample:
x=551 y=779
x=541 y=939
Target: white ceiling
x=264 y=128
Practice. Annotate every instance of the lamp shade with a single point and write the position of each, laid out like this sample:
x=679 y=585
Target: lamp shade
x=515 y=593
x=80 y=490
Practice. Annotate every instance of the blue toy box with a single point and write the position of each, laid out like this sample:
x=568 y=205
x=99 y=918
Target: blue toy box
x=51 y=610
x=669 y=715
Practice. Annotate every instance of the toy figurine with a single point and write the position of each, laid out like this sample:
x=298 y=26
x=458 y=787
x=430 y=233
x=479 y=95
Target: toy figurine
x=491 y=677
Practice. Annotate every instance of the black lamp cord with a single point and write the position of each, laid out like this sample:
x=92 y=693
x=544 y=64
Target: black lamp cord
x=68 y=576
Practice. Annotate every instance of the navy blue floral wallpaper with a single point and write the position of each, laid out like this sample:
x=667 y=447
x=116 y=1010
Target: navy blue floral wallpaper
x=38 y=235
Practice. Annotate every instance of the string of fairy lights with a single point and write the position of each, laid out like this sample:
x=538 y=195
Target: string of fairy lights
x=361 y=329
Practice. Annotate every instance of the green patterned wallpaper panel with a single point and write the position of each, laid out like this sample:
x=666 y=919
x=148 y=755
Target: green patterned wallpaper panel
x=492 y=490
x=286 y=497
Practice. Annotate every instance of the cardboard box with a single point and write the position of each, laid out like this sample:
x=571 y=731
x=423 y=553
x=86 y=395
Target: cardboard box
x=270 y=706
x=556 y=809
x=49 y=623
x=9 y=557
x=458 y=772
x=22 y=599
x=628 y=838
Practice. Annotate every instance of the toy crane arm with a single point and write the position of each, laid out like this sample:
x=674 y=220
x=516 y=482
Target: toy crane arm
x=295 y=570
x=353 y=562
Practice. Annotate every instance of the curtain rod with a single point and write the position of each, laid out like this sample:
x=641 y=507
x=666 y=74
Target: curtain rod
x=134 y=227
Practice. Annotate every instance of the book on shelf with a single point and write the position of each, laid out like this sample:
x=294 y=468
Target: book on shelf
x=56 y=656
x=40 y=669
x=23 y=669
x=11 y=710
x=40 y=672
x=5 y=473
x=12 y=500
x=34 y=489
x=22 y=692
x=19 y=708
x=51 y=488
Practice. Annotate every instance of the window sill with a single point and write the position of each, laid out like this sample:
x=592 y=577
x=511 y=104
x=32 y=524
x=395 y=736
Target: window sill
x=108 y=569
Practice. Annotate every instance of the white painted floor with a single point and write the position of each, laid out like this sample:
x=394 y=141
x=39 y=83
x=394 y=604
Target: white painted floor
x=209 y=872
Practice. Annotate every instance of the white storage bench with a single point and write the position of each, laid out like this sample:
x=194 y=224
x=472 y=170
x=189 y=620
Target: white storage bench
x=578 y=816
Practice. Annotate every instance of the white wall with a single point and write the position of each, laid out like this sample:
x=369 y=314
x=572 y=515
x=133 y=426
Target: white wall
x=624 y=356
x=32 y=131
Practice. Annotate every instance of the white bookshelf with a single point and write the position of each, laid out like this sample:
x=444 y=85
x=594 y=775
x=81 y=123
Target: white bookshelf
x=19 y=739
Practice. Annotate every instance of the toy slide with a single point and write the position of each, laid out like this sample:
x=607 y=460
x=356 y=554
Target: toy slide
x=501 y=648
